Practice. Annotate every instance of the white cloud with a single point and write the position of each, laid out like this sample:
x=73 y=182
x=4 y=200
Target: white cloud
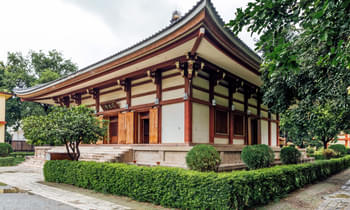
x=88 y=30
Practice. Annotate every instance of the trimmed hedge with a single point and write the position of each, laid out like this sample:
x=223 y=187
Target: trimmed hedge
x=7 y=161
x=5 y=149
x=21 y=154
x=180 y=188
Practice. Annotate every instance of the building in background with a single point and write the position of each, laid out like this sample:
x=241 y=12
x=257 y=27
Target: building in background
x=3 y=97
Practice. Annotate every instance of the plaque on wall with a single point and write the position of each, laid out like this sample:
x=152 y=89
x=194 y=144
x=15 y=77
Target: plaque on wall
x=106 y=106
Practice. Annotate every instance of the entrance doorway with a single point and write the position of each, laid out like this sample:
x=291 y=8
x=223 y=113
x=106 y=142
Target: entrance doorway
x=144 y=131
x=144 y=128
x=113 y=130
x=254 y=131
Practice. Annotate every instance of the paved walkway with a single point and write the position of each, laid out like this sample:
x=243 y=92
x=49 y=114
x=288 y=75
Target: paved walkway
x=28 y=179
x=330 y=194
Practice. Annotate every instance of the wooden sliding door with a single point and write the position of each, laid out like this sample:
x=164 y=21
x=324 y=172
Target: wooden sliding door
x=126 y=128
x=153 y=126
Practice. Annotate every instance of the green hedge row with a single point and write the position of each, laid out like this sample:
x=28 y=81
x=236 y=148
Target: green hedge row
x=179 y=188
x=7 y=161
x=21 y=154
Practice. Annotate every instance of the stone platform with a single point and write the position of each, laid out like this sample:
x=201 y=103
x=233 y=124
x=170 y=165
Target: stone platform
x=147 y=155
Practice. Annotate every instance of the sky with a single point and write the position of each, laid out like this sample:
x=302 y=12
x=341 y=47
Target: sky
x=87 y=31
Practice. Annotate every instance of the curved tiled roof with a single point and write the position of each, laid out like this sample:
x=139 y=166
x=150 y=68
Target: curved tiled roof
x=202 y=4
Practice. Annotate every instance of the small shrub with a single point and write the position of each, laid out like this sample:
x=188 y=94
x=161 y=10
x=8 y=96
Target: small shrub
x=258 y=156
x=7 y=161
x=310 y=151
x=290 y=155
x=348 y=150
x=318 y=155
x=329 y=153
x=5 y=149
x=340 y=149
x=203 y=157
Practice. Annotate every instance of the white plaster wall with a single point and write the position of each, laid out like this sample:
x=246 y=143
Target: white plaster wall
x=143 y=100
x=173 y=81
x=143 y=88
x=170 y=72
x=173 y=94
x=253 y=110
x=264 y=114
x=220 y=140
x=88 y=101
x=252 y=101
x=135 y=81
x=200 y=82
x=221 y=89
x=340 y=142
x=238 y=96
x=264 y=132
x=221 y=101
x=239 y=106
x=273 y=116
x=112 y=96
x=173 y=123
x=238 y=141
x=200 y=94
x=200 y=123
x=273 y=134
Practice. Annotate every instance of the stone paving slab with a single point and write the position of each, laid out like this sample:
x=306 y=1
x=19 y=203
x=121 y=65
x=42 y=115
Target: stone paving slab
x=28 y=179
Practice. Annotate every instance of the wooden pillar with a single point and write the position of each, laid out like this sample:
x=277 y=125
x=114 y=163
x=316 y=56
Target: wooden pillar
x=97 y=100
x=188 y=111
x=269 y=128
x=230 y=125
x=259 y=118
x=211 y=109
x=158 y=80
x=246 y=124
x=77 y=98
x=128 y=92
x=277 y=130
x=66 y=101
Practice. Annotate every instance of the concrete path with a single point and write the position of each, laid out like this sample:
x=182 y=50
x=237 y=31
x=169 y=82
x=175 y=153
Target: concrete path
x=330 y=194
x=28 y=179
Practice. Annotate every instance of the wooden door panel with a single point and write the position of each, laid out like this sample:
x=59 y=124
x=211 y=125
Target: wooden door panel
x=121 y=128
x=153 y=126
x=130 y=127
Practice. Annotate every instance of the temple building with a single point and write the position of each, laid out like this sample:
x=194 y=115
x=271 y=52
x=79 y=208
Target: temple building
x=3 y=97
x=192 y=82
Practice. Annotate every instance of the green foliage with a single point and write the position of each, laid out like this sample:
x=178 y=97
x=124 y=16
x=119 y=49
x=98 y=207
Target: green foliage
x=290 y=155
x=203 y=157
x=329 y=153
x=26 y=71
x=306 y=61
x=7 y=161
x=348 y=151
x=257 y=156
x=65 y=126
x=21 y=154
x=5 y=149
x=179 y=188
x=310 y=151
x=340 y=149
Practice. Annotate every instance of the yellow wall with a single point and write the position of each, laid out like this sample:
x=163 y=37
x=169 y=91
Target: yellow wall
x=3 y=98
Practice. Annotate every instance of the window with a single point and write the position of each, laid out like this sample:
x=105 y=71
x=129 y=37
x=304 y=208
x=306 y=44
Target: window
x=221 y=121
x=238 y=121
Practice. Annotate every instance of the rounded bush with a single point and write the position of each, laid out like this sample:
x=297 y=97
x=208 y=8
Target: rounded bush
x=348 y=150
x=290 y=155
x=258 y=156
x=329 y=153
x=338 y=148
x=203 y=157
x=310 y=151
x=5 y=149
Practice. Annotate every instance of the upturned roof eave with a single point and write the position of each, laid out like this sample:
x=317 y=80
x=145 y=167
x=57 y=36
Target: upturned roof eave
x=200 y=6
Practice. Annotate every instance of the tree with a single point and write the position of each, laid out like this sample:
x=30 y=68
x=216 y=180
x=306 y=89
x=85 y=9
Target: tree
x=26 y=71
x=64 y=126
x=305 y=48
